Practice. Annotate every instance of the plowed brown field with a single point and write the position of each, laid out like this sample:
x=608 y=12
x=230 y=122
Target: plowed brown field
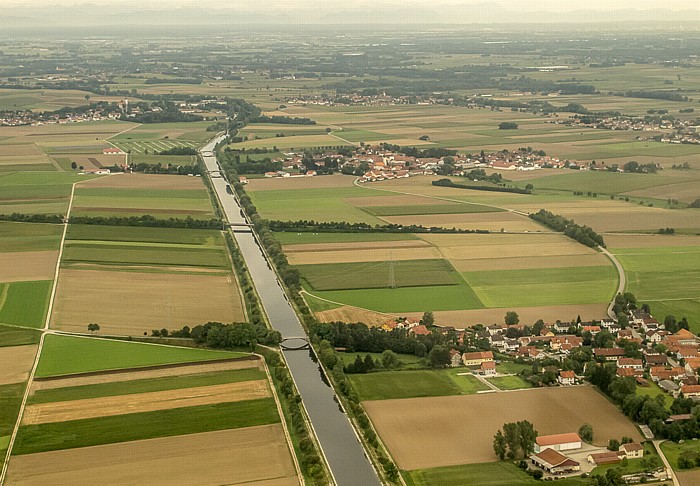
x=27 y=266
x=43 y=413
x=256 y=455
x=459 y=429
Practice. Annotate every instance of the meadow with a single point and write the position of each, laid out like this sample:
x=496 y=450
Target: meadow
x=24 y=303
x=386 y=385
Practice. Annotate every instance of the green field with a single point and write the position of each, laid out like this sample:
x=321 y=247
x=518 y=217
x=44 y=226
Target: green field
x=486 y=474
x=146 y=146
x=144 y=235
x=18 y=336
x=672 y=450
x=409 y=299
x=24 y=303
x=379 y=275
x=101 y=354
x=291 y=238
x=385 y=385
x=29 y=236
x=36 y=192
x=147 y=425
x=10 y=401
x=544 y=286
x=509 y=382
x=429 y=209
x=603 y=182
x=666 y=278
x=144 y=254
x=146 y=385
x=318 y=204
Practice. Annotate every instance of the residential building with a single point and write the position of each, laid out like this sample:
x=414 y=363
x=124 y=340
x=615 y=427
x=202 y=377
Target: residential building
x=632 y=450
x=609 y=354
x=475 y=359
x=632 y=363
x=487 y=368
x=566 y=378
x=603 y=458
x=689 y=391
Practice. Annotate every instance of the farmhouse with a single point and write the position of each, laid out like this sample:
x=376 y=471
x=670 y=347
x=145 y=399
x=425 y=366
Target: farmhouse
x=609 y=354
x=603 y=458
x=632 y=450
x=630 y=363
x=692 y=365
x=488 y=368
x=566 y=378
x=689 y=391
x=558 y=442
x=682 y=338
x=555 y=462
x=475 y=359
x=455 y=358
x=419 y=330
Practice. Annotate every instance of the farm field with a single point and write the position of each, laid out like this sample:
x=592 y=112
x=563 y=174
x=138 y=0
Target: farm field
x=654 y=265
x=252 y=455
x=17 y=336
x=480 y=416
x=386 y=385
x=36 y=192
x=16 y=362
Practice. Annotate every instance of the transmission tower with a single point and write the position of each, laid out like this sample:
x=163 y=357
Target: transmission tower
x=392 y=275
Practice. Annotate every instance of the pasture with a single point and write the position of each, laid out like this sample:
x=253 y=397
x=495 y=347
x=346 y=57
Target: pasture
x=386 y=385
x=451 y=418
x=101 y=354
x=662 y=275
x=25 y=303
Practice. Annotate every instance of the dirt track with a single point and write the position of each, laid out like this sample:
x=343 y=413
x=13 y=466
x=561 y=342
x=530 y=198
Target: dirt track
x=445 y=431
x=15 y=363
x=242 y=456
x=43 y=413
x=125 y=302
x=136 y=374
x=27 y=266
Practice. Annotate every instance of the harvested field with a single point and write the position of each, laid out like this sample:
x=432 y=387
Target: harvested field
x=354 y=246
x=528 y=315
x=146 y=181
x=650 y=241
x=27 y=266
x=348 y=313
x=136 y=374
x=15 y=363
x=257 y=455
x=478 y=417
x=318 y=182
x=685 y=191
x=689 y=478
x=180 y=300
x=423 y=252
x=44 y=413
x=494 y=221
x=522 y=263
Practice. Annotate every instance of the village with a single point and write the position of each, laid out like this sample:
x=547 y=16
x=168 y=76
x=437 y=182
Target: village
x=643 y=351
x=675 y=130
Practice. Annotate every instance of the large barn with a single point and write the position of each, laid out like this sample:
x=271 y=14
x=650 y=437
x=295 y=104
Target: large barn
x=558 y=442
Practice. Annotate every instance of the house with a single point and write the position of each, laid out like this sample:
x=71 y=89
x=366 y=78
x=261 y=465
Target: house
x=650 y=324
x=659 y=373
x=625 y=334
x=687 y=352
x=565 y=342
x=558 y=442
x=683 y=338
x=270 y=174
x=455 y=358
x=554 y=462
x=631 y=363
x=690 y=391
x=609 y=354
x=655 y=359
x=632 y=450
x=602 y=458
x=669 y=387
x=510 y=345
x=488 y=368
x=563 y=326
x=529 y=352
x=655 y=336
x=692 y=365
x=243 y=180
x=592 y=329
x=419 y=330
x=566 y=378
x=628 y=373
x=637 y=317
x=496 y=329
x=475 y=359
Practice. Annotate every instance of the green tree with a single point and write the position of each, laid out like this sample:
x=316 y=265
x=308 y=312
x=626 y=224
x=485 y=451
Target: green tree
x=526 y=437
x=428 y=319
x=670 y=323
x=586 y=433
x=389 y=360
x=369 y=362
x=439 y=356
x=499 y=445
x=512 y=318
x=613 y=445
x=92 y=327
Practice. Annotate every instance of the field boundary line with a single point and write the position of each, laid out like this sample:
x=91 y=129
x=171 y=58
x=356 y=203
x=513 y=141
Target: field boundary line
x=123 y=131
x=47 y=321
x=3 y=294
x=354 y=144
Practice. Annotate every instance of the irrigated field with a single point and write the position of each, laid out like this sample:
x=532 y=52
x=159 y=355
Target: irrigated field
x=448 y=420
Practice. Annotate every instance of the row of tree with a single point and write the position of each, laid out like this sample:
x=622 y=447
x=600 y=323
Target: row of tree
x=306 y=226
x=582 y=234
x=147 y=220
x=451 y=183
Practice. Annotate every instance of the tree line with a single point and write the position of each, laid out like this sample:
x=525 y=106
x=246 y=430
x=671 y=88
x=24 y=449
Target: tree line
x=582 y=234
x=147 y=220
x=451 y=183
x=307 y=226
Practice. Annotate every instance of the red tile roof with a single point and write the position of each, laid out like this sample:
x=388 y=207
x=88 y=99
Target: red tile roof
x=548 y=440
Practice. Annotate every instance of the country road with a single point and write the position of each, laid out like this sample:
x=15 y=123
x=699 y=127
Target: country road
x=622 y=283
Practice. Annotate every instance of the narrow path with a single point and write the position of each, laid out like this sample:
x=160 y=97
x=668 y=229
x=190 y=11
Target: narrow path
x=487 y=383
x=44 y=331
x=657 y=446
x=354 y=144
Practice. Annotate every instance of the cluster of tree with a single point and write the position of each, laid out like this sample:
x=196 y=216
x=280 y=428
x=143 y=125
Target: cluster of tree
x=159 y=168
x=582 y=234
x=688 y=459
x=149 y=221
x=451 y=183
x=233 y=161
x=306 y=226
x=480 y=175
x=282 y=120
x=227 y=336
x=508 y=126
x=516 y=440
x=169 y=113
x=683 y=166
x=32 y=218
x=695 y=204
x=637 y=168
x=666 y=231
x=428 y=153
x=179 y=151
x=654 y=95
x=174 y=81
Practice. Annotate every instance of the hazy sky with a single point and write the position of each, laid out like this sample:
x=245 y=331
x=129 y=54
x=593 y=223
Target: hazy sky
x=267 y=5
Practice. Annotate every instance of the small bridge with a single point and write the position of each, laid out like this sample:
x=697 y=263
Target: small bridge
x=295 y=343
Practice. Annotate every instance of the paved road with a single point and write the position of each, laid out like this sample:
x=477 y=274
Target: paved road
x=622 y=281
x=339 y=443
x=674 y=478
